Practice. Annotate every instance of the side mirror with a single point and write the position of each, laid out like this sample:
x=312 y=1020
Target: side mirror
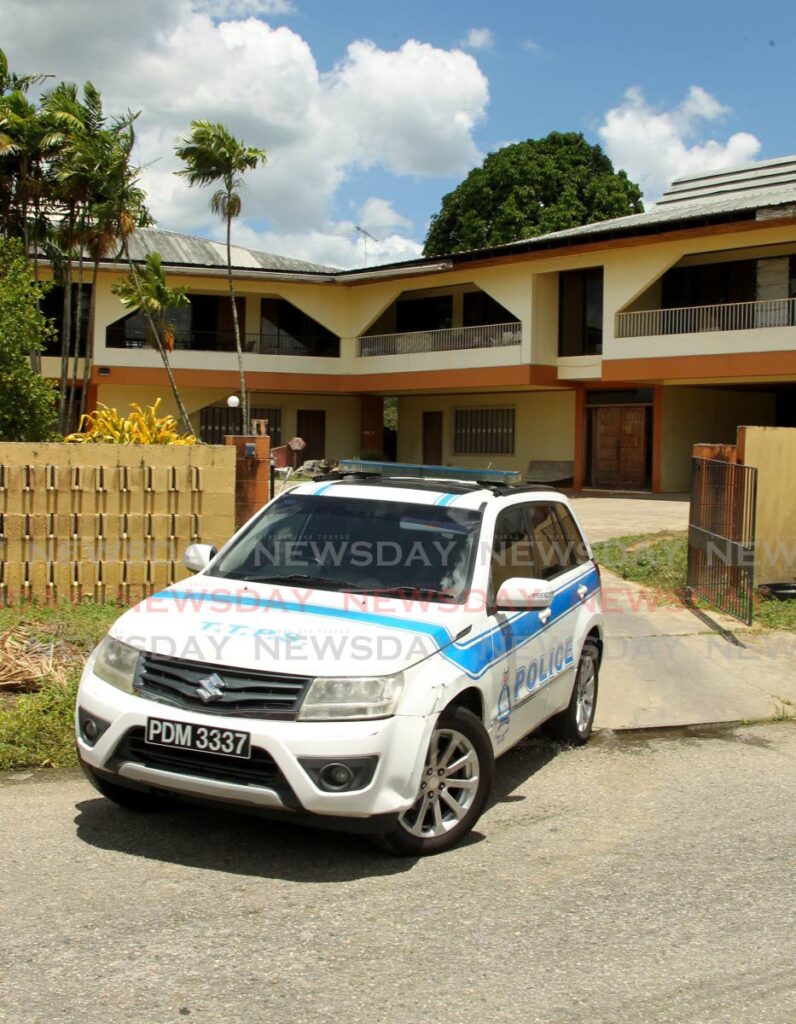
x=197 y=557
x=521 y=593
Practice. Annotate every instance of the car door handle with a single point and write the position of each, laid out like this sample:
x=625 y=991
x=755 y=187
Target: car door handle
x=582 y=591
x=545 y=614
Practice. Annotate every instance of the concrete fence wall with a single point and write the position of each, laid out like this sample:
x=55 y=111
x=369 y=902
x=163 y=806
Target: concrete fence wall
x=107 y=522
x=773 y=451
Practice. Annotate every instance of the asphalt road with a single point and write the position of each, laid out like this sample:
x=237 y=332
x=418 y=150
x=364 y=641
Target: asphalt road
x=638 y=879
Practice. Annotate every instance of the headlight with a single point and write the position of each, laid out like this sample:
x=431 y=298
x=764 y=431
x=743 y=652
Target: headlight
x=115 y=663
x=364 y=697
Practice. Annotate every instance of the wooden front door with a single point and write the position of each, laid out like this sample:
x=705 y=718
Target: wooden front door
x=432 y=438
x=311 y=427
x=619 y=447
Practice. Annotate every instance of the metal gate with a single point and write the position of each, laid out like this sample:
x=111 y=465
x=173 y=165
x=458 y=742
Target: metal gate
x=721 y=536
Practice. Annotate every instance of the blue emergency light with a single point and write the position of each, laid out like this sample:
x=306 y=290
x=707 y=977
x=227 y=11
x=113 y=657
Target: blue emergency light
x=414 y=470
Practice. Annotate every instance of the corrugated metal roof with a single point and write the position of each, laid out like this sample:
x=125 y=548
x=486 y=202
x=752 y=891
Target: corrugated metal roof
x=751 y=190
x=719 y=195
x=189 y=251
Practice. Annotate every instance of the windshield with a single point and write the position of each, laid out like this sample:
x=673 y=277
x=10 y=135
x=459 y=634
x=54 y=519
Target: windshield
x=358 y=544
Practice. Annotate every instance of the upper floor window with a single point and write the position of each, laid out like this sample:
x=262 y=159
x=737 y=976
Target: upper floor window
x=580 y=312
x=431 y=313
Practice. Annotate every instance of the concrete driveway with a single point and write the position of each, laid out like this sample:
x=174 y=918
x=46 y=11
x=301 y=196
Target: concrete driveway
x=604 y=518
x=633 y=881
x=666 y=665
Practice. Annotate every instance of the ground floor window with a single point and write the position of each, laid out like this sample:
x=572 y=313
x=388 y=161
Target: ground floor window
x=483 y=432
x=217 y=421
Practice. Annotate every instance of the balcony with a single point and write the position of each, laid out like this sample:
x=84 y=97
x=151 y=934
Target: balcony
x=276 y=344
x=727 y=316
x=450 y=339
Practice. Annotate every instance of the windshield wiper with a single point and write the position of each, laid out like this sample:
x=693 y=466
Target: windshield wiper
x=409 y=588
x=302 y=578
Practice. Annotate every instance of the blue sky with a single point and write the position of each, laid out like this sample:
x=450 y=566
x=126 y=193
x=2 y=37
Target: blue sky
x=376 y=132
x=555 y=67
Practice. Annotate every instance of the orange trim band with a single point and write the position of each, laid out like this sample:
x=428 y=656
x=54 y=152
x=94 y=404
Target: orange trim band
x=728 y=364
x=317 y=383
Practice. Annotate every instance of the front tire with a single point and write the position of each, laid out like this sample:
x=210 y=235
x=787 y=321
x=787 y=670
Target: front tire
x=574 y=725
x=456 y=783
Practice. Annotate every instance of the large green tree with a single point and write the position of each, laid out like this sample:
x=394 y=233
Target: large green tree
x=531 y=188
x=27 y=401
x=213 y=156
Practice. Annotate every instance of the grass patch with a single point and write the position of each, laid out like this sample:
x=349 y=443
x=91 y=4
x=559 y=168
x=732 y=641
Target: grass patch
x=660 y=560
x=36 y=728
x=654 y=559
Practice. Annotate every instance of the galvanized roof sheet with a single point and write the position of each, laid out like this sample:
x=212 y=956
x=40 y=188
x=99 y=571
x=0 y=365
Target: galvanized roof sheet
x=189 y=251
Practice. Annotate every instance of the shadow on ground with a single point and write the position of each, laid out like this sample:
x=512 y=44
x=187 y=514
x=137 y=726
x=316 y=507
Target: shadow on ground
x=221 y=840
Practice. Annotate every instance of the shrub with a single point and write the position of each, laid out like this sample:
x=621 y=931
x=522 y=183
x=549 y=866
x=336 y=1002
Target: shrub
x=141 y=426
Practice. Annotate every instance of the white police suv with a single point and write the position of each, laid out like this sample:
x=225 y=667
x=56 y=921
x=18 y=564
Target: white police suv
x=356 y=656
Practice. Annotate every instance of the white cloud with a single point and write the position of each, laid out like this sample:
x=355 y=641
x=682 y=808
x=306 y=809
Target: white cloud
x=334 y=245
x=409 y=111
x=226 y=9
x=656 y=146
x=532 y=47
x=379 y=214
x=479 y=39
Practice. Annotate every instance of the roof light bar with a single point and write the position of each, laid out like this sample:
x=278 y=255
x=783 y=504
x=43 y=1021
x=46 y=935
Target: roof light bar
x=418 y=471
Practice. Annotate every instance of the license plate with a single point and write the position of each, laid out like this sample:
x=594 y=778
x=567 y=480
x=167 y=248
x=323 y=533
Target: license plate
x=207 y=739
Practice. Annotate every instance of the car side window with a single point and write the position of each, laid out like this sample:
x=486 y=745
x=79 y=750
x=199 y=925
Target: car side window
x=549 y=542
x=512 y=554
x=577 y=553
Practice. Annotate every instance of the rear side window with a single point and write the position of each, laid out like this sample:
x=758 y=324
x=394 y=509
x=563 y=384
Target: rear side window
x=577 y=553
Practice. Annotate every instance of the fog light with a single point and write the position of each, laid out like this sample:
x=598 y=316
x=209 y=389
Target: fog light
x=336 y=776
x=91 y=726
x=343 y=776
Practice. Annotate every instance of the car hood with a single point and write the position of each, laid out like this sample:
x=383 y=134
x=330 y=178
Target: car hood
x=289 y=629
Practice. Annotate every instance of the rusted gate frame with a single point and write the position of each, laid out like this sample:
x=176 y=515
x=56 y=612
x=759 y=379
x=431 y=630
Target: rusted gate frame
x=721 y=536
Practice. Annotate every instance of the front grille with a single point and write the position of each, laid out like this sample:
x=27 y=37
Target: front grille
x=259 y=770
x=246 y=694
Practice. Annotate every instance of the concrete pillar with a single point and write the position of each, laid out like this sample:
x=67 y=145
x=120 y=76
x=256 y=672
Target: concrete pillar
x=252 y=475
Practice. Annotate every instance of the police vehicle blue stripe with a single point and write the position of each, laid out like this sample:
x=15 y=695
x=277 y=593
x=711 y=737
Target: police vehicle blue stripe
x=491 y=647
x=438 y=633
x=325 y=487
x=446 y=499
x=474 y=657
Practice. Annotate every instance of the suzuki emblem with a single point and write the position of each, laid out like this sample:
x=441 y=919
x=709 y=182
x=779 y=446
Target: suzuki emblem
x=211 y=688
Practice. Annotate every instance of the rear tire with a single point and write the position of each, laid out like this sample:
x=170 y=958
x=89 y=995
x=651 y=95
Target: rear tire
x=139 y=800
x=456 y=783
x=574 y=725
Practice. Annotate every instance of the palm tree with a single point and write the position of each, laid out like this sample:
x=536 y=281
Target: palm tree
x=144 y=290
x=72 y=121
x=213 y=156
x=116 y=210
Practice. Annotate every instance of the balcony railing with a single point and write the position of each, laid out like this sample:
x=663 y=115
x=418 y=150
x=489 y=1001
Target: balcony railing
x=450 y=339
x=727 y=316
x=278 y=344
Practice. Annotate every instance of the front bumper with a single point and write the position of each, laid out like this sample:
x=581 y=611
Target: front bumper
x=400 y=743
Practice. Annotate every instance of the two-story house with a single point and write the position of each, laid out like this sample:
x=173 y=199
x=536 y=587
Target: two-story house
x=609 y=349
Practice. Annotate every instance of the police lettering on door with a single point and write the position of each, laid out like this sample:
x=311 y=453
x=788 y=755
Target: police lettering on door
x=535 y=673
